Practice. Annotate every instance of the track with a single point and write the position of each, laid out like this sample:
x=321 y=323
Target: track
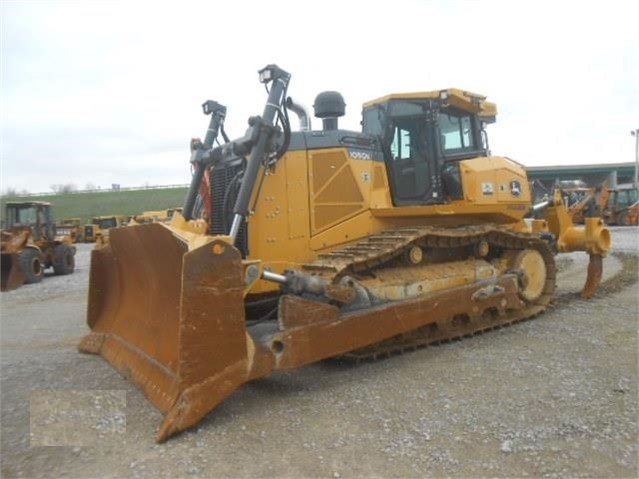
x=374 y=253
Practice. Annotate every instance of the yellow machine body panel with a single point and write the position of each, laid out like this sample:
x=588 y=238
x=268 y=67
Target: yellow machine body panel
x=314 y=201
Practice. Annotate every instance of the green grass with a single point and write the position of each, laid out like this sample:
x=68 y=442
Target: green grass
x=88 y=205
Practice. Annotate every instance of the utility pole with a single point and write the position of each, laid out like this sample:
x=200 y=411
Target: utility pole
x=635 y=133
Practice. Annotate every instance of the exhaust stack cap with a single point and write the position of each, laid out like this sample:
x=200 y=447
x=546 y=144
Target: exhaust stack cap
x=329 y=106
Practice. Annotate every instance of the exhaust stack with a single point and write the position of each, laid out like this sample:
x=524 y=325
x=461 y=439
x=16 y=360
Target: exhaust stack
x=301 y=112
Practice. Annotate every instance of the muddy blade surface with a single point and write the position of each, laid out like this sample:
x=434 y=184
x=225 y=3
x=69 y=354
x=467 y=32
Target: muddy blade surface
x=170 y=319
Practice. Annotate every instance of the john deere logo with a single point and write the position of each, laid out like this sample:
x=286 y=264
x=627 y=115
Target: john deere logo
x=515 y=188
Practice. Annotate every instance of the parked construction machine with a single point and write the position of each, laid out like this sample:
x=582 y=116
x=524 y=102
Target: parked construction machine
x=296 y=246
x=580 y=199
x=30 y=244
x=163 y=216
x=100 y=225
x=71 y=227
x=621 y=205
x=617 y=205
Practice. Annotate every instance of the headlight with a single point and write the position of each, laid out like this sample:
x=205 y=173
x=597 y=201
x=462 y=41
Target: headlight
x=266 y=75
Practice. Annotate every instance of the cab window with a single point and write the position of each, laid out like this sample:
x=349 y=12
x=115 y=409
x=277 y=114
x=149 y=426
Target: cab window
x=456 y=132
x=401 y=145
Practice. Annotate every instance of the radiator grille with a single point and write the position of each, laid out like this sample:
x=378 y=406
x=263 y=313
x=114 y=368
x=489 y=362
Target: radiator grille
x=225 y=183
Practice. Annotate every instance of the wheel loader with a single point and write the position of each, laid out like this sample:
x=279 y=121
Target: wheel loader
x=30 y=244
x=297 y=246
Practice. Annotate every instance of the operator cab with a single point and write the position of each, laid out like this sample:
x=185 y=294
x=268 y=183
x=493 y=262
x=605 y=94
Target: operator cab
x=30 y=214
x=424 y=136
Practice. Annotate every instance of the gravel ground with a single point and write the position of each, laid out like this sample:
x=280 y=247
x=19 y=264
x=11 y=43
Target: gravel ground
x=552 y=397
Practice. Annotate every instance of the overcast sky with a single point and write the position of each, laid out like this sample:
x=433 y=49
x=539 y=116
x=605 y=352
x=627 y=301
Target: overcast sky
x=102 y=92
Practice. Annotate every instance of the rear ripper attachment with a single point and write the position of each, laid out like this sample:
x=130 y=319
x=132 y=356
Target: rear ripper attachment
x=188 y=314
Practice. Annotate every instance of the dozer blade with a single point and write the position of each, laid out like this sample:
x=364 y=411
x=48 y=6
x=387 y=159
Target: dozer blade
x=593 y=278
x=12 y=275
x=172 y=320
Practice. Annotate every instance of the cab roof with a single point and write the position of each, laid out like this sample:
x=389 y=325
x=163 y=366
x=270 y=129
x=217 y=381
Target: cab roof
x=462 y=99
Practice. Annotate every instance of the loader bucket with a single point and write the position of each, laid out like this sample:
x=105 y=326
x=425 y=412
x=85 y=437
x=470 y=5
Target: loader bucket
x=171 y=319
x=12 y=275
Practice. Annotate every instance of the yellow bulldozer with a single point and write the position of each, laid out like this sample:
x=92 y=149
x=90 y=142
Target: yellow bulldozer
x=30 y=243
x=297 y=246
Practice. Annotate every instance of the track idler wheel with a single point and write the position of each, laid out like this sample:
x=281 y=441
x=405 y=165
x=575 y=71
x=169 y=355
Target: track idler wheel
x=533 y=275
